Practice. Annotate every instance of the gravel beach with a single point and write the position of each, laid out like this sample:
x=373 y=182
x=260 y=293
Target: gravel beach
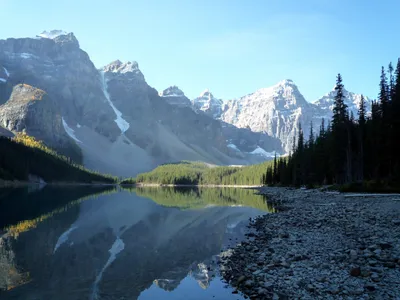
x=321 y=245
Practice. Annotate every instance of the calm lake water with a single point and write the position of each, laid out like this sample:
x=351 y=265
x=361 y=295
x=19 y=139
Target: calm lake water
x=149 y=243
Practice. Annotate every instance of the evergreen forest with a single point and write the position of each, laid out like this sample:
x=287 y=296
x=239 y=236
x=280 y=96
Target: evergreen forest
x=349 y=150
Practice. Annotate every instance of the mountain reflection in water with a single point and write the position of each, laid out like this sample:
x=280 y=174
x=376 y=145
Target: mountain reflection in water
x=147 y=243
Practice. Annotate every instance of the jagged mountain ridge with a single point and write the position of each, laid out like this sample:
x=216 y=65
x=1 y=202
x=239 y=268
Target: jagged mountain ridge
x=279 y=109
x=208 y=104
x=122 y=125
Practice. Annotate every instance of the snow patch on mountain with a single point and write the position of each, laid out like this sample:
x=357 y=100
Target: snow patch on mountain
x=121 y=123
x=6 y=75
x=115 y=249
x=262 y=152
x=233 y=146
x=6 y=71
x=63 y=238
x=70 y=131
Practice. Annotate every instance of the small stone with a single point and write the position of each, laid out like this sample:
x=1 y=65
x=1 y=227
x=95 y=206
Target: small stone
x=365 y=273
x=249 y=283
x=368 y=254
x=261 y=291
x=355 y=272
x=370 y=287
x=334 y=290
x=396 y=222
x=353 y=255
x=372 y=262
x=385 y=246
x=378 y=252
x=358 y=291
x=310 y=288
x=284 y=235
x=240 y=280
x=296 y=257
x=268 y=285
x=373 y=247
x=285 y=264
x=375 y=277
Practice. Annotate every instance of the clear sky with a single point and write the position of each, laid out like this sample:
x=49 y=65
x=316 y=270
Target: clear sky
x=232 y=47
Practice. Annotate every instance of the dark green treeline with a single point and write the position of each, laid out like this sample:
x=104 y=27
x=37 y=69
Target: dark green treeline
x=348 y=149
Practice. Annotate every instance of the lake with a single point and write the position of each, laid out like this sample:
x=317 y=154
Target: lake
x=104 y=243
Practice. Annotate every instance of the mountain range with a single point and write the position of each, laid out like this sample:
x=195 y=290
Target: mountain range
x=50 y=89
x=277 y=110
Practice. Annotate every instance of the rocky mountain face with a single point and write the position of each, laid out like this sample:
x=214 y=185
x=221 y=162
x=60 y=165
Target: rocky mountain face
x=174 y=96
x=352 y=100
x=50 y=89
x=207 y=103
x=59 y=67
x=26 y=108
x=278 y=111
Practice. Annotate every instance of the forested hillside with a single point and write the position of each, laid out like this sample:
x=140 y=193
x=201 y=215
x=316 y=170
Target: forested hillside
x=362 y=149
x=197 y=173
x=25 y=158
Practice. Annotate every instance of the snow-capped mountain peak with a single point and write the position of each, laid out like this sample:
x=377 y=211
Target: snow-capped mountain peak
x=205 y=93
x=207 y=103
x=285 y=82
x=276 y=110
x=174 y=96
x=118 y=66
x=283 y=96
x=52 y=34
x=172 y=91
x=352 y=100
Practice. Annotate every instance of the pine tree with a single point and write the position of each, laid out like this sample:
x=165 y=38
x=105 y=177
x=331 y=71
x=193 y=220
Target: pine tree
x=339 y=109
x=396 y=122
x=391 y=82
x=300 y=157
x=311 y=138
x=275 y=174
x=362 y=112
x=340 y=157
x=322 y=128
x=383 y=94
x=385 y=128
x=361 y=137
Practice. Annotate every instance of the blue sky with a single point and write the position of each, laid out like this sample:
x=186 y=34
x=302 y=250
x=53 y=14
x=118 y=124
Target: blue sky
x=232 y=47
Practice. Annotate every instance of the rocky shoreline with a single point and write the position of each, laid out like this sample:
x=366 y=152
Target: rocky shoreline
x=322 y=245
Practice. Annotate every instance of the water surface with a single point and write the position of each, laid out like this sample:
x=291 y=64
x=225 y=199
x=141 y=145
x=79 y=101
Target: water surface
x=149 y=243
